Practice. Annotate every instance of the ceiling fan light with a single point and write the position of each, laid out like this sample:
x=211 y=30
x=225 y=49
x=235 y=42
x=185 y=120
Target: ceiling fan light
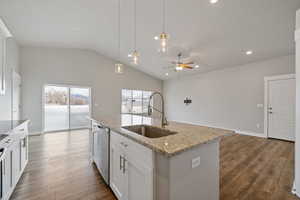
x=179 y=68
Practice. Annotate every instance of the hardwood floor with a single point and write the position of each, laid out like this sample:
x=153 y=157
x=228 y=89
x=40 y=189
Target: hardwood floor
x=59 y=169
x=256 y=169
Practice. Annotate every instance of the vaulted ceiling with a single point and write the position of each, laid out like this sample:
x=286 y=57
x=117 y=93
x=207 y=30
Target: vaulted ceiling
x=213 y=35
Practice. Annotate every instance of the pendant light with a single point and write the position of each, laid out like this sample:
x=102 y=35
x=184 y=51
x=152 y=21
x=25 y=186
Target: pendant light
x=135 y=54
x=163 y=37
x=119 y=67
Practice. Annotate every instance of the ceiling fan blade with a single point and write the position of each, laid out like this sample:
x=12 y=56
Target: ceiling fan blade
x=187 y=67
x=168 y=67
x=189 y=63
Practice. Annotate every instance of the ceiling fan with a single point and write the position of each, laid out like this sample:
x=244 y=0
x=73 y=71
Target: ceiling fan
x=180 y=65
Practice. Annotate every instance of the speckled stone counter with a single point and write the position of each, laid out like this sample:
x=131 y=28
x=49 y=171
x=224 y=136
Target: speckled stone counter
x=188 y=136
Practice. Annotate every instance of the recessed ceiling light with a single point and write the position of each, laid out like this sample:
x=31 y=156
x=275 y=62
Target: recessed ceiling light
x=167 y=74
x=197 y=66
x=156 y=38
x=129 y=55
x=249 y=52
x=214 y=1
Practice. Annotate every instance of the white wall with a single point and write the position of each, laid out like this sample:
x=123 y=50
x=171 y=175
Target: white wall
x=297 y=144
x=12 y=53
x=226 y=98
x=40 y=66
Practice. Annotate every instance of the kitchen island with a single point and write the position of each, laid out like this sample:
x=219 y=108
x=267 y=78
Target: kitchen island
x=183 y=164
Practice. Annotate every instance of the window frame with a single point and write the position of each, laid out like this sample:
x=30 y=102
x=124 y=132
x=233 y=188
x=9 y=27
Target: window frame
x=142 y=106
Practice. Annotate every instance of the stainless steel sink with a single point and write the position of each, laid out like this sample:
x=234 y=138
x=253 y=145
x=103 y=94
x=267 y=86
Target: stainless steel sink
x=149 y=131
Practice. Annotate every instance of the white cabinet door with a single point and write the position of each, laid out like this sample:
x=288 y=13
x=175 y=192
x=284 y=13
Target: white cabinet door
x=2 y=63
x=6 y=174
x=24 y=153
x=16 y=164
x=117 y=173
x=139 y=181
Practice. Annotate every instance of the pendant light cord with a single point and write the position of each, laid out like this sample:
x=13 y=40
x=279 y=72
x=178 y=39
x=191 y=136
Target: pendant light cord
x=164 y=15
x=135 y=25
x=119 y=30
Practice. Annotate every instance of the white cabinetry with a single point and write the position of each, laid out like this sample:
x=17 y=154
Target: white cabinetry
x=117 y=180
x=15 y=163
x=131 y=169
x=2 y=63
x=14 y=160
x=6 y=174
x=24 y=153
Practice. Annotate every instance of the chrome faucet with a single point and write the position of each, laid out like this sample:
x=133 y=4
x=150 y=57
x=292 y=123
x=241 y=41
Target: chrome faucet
x=164 y=121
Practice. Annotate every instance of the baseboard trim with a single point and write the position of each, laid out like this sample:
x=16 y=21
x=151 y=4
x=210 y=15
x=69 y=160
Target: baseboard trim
x=262 y=135
x=35 y=133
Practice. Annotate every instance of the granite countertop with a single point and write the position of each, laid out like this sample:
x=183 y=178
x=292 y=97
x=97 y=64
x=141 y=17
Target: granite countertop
x=8 y=125
x=188 y=136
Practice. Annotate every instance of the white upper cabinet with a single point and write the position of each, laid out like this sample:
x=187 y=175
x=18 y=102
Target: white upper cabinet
x=4 y=34
x=2 y=63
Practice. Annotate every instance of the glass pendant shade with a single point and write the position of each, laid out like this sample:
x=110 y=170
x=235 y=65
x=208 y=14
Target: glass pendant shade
x=163 y=42
x=119 y=68
x=135 y=57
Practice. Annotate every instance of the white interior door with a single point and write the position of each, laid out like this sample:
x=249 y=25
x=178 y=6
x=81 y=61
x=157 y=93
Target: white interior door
x=16 y=94
x=281 y=109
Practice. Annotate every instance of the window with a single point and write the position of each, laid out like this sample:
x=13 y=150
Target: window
x=135 y=107
x=135 y=101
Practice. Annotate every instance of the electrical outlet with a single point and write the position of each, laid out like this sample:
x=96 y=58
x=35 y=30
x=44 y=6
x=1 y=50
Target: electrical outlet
x=257 y=125
x=196 y=162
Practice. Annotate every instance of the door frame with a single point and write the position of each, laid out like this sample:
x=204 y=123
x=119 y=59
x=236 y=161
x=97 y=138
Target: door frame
x=44 y=101
x=267 y=79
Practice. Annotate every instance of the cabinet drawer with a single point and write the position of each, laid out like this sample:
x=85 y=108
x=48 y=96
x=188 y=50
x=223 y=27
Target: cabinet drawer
x=133 y=150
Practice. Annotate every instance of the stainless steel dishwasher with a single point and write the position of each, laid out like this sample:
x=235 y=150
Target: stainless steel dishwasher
x=101 y=150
